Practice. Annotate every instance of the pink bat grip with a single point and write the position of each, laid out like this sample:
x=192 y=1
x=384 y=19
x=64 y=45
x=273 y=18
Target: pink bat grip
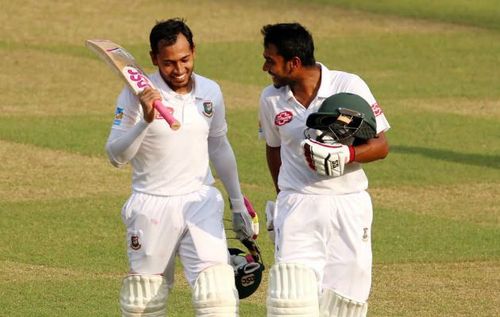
x=165 y=113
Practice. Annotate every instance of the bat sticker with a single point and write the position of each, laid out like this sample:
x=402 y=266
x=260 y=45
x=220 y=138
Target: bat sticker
x=124 y=64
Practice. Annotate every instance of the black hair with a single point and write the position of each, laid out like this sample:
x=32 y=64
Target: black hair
x=291 y=40
x=167 y=32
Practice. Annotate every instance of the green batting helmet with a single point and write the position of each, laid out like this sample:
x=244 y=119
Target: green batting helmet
x=344 y=117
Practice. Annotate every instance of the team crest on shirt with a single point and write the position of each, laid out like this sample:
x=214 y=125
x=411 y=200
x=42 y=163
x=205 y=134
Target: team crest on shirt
x=377 y=111
x=208 y=109
x=118 y=116
x=134 y=242
x=283 y=118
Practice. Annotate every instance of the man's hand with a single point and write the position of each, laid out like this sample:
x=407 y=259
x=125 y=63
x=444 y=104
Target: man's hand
x=245 y=219
x=147 y=97
x=327 y=159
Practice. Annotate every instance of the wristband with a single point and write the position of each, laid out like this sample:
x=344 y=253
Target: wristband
x=352 y=154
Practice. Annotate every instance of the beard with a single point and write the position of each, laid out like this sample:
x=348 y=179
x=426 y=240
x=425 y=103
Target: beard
x=279 y=82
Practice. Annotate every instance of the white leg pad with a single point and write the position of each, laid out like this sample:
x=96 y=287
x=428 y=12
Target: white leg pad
x=293 y=291
x=335 y=305
x=215 y=293
x=144 y=295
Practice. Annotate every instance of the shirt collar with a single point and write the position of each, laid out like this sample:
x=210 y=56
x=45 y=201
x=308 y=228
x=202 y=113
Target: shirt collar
x=324 y=89
x=288 y=92
x=196 y=90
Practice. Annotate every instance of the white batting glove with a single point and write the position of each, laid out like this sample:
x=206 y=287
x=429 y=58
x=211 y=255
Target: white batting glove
x=327 y=159
x=245 y=219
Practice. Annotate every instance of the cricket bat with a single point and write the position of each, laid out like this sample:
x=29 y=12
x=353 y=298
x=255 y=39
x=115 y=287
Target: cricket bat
x=125 y=66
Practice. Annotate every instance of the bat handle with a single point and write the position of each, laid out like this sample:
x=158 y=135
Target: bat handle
x=165 y=113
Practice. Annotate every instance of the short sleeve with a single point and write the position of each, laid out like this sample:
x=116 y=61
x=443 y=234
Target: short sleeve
x=267 y=128
x=359 y=87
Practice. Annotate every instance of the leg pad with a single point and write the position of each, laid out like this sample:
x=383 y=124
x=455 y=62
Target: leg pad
x=214 y=293
x=144 y=296
x=293 y=291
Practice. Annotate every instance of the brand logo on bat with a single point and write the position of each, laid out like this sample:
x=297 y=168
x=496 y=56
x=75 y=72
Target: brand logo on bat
x=119 y=51
x=136 y=77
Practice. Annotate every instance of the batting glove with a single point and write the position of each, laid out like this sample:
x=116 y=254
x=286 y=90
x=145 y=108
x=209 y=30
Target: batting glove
x=327 y=159
x=245 y=219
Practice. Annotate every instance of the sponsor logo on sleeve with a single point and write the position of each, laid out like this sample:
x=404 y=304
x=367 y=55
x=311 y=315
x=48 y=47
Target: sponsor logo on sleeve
x=377 y=111
x=283 y=118
x=118 y=116
x=260 y=132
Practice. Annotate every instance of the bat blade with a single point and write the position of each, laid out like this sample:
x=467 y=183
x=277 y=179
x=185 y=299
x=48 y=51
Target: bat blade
x=126 y=67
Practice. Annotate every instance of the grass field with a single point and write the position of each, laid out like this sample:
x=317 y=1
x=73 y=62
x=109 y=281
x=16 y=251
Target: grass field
x=433 y=67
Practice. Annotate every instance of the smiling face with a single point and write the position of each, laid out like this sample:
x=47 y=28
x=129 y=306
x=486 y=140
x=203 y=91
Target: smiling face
x=276 y=66
x=175 y=63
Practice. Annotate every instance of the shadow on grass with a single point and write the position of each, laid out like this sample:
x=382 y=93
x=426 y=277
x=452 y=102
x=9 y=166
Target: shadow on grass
x=483 y=160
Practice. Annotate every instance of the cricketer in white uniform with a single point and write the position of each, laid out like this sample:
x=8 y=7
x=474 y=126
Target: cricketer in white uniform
x=174 y=209
x=322 y=224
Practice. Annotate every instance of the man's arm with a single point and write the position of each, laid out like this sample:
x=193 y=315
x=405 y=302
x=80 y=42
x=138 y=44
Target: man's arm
x=222 y=157
x=126 y=138
x=273 y=156
x=122 y=145
x=374 y=149
x=223 y=160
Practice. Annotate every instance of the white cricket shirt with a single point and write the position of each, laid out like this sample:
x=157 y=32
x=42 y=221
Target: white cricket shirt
x=283 y=121
x=172 y=162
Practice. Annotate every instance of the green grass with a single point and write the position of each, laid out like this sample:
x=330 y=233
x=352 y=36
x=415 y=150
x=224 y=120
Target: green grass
x=78 y=134
x=89 y=296
x=81 y=234
x=433 y=67
x=420 y=66
x=400 y=236
x=484 y=13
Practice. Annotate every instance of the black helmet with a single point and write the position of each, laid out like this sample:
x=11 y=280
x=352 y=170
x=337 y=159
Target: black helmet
x=248 y=268
x=342 y=118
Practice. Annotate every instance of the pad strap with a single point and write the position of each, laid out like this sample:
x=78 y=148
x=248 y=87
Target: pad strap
x=335 y=305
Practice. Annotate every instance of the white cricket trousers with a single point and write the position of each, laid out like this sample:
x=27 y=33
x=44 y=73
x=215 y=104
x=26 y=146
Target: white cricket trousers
x=159 y=227
x=332 y=235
